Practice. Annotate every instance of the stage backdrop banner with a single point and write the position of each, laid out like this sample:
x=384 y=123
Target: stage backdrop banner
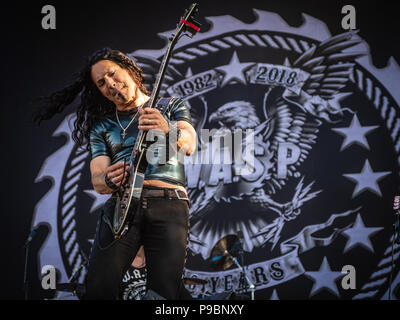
x=317 y=196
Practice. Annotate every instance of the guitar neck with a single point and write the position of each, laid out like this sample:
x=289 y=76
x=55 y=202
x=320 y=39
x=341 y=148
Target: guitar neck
x=173 y=40
x=157 y=86
x=161 y=73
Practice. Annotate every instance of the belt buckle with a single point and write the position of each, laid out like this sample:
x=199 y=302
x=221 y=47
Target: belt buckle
x=178 y=196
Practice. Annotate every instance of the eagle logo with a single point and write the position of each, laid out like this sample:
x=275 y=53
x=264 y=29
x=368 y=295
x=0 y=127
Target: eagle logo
x=288 y=130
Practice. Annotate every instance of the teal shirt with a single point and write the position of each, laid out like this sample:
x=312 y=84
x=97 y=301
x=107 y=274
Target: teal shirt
x=106 y=139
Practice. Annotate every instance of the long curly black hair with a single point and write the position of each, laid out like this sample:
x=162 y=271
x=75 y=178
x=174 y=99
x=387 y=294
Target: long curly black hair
x=93 y=105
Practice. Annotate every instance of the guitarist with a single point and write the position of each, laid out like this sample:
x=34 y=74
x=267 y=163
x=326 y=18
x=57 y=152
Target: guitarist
x=109 y=116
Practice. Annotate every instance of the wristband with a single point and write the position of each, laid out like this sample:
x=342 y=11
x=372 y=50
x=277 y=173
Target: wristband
x=109 y=183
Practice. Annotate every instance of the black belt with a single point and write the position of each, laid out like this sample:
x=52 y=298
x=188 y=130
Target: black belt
x=157 y=193
x=164 y=193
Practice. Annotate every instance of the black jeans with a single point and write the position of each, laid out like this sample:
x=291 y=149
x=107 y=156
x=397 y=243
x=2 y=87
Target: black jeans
x=162 y=226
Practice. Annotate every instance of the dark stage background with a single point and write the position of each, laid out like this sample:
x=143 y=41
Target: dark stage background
x=38 y=62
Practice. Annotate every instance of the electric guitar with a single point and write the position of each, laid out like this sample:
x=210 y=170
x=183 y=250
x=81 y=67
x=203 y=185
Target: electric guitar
x=128 y=197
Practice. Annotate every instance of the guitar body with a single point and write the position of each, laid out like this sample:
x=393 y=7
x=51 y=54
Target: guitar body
x=128 y=201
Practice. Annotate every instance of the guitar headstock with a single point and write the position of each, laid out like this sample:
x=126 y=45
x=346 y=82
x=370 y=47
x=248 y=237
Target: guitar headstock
x=190 y=25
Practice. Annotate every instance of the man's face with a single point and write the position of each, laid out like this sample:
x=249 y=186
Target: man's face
x=114 y=82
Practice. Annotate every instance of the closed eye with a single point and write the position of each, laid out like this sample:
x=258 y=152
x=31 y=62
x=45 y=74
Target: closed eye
x=101 y=82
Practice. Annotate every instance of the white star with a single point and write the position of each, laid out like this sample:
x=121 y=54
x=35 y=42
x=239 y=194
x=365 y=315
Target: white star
x=324 y=278
x=98 y=199
x=367 y=180
x=189 y=73
x=234 y=70
x=355 y=134
x=359 y=235
x=274 y=295
x=286 y=63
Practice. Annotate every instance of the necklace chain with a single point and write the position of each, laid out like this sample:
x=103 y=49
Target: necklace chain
x=123 y=133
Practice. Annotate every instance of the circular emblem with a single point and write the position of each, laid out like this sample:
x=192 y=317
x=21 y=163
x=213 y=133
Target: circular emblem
x=133 y=284
x=312 y=197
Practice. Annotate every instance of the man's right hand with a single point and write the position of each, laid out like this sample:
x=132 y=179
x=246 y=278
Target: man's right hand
x=116 y=173
x=100 y=166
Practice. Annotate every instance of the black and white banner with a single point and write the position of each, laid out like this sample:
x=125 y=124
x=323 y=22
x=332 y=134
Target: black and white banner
x=318 y=196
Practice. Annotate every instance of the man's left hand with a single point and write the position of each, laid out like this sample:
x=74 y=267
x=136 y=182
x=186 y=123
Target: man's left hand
x=151 y=118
